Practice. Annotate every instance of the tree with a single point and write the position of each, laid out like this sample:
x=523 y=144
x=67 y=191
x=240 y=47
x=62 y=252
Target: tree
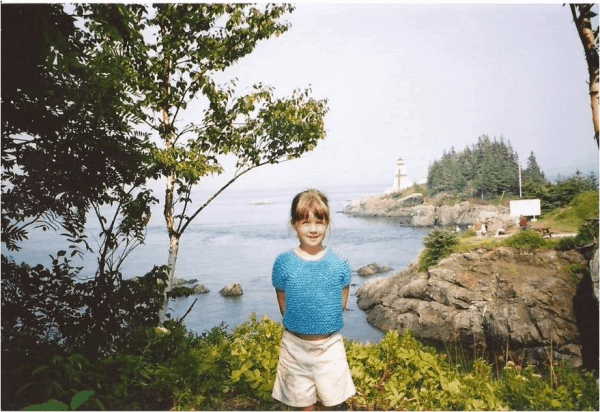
x=582 y=16
x=533 y=172
x=183 y=49
x=69 y=148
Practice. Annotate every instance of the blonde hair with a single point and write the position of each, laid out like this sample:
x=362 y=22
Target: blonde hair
x=311 y=200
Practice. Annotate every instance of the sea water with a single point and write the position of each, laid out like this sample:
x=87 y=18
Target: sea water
x=236 y=239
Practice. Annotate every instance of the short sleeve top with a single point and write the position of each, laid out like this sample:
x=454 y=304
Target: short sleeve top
x=313 y=291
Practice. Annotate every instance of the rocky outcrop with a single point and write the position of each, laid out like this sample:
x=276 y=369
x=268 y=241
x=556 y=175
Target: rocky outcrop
x=373 y=268
x=515 y=298
x=233 y=289
x=413 y=212
x=594 y=273
x=200 y=289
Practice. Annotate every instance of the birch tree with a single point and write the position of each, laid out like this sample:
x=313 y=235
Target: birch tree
x=183 y=48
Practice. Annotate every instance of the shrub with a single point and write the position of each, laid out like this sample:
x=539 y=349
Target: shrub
x=566 y=243
x=526 y=238
x=438 y=244
x=254 y=356
x=170 y=368
x=467 y=233
x=400 y=373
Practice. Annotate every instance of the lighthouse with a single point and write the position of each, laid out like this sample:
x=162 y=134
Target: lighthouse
x=400 y=179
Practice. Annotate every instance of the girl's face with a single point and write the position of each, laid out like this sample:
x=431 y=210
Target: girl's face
x=311 y=232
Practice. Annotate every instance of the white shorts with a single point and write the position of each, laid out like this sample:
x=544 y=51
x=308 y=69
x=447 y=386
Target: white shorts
x=311 y=371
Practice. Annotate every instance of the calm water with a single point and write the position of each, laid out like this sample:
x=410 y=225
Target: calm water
x=233 y=240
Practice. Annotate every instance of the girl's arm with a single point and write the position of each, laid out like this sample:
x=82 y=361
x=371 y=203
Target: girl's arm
x=345 y=292
x=281 y=300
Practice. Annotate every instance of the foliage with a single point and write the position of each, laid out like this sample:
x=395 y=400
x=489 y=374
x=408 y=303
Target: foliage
x=467 y=233
x=170 y=368
x=532 y=172
x=180 y=291
x=254 y=355
x=53 y=405
x=67 y=139
x=526 y=238
x=400 y=373
x=438 y=244
x=175 y=54
x=70 y=151
x=488 y=168
x=51 y=308
x=561 y=193
x=565 y=389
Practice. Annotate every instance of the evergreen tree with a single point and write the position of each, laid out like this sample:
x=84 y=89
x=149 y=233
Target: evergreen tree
x=533 y=172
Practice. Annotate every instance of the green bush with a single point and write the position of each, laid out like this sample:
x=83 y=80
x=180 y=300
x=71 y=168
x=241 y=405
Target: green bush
x=400 y=373
x=566 y=243
x=254 y=356
x=526 y=238
x=467 y=233
x=438 y=244
x=169 y=368
x=564 y=389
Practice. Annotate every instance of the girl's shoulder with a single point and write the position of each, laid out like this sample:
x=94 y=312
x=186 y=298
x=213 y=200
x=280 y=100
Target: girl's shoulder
x=285 y=256
x=338 y=257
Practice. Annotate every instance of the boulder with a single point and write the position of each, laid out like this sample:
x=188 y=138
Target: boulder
x=423 y=215
x=516 y=298
x=373 y=268
x=200 y=289
x=233 y=289
x=411 y=200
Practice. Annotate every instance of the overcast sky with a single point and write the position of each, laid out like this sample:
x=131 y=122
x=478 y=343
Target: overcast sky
x=413 y=80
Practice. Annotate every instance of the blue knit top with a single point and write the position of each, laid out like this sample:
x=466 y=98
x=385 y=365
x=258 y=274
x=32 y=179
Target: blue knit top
x=313 y=291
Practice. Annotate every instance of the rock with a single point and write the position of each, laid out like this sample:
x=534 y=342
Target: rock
x=416 y=213
x=199 y=289
x=411 y=200
x=594 y=273
x=233 y=289
x=373 y=268
x=484 y=299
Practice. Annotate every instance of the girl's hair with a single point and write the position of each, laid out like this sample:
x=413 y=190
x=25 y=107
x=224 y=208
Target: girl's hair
x=310 y=200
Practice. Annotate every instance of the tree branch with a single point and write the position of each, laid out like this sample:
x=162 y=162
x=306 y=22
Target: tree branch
x=210 y=199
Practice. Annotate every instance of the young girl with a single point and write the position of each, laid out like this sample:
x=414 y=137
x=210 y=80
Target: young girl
x=312 y=285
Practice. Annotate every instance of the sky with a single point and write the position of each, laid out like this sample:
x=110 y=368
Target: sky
x=412 y=80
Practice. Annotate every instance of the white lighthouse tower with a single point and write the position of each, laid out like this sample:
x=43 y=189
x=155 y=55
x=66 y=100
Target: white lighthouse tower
x=400 y=178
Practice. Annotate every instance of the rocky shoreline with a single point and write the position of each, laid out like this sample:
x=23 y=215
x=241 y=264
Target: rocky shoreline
x=413 y=211
x=490 y=301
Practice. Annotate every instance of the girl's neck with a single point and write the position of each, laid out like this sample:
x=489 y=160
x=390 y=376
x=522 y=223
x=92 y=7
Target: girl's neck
x=310 y=251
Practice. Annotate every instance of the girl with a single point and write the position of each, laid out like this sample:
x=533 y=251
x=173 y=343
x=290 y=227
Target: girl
x=312 y=285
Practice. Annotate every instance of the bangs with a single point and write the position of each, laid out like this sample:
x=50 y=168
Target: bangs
x=311 y=201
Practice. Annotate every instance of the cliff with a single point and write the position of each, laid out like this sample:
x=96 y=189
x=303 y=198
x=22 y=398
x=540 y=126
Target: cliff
x=488 y=301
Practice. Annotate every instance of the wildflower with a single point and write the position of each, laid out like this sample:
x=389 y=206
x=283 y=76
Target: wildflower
x=537 y=375
x=162 y=330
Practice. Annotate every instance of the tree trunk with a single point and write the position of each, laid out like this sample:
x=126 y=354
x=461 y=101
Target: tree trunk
x=583 y=24
x=173 y=251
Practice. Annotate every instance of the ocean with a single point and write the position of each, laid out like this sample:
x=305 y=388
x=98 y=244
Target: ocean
x=236 y=239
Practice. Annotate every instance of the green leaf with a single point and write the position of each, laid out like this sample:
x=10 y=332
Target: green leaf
x=80 y=398
x=51 y=405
